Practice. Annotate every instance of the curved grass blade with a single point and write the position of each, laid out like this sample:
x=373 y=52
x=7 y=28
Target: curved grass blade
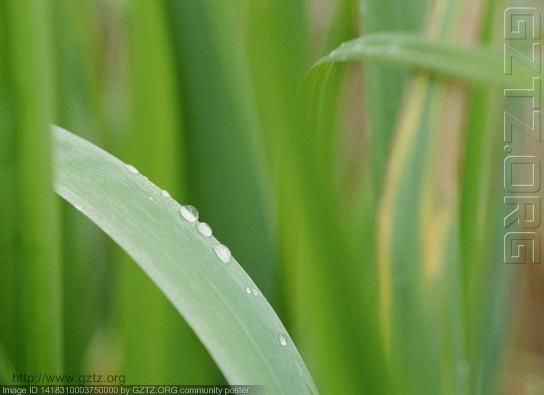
x=240 y=330
x=477 y=64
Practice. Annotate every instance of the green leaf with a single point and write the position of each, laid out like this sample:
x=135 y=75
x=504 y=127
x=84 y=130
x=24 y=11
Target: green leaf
x=240 y=330
x=478 y=64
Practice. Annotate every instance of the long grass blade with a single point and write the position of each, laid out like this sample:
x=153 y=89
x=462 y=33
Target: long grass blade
x=239 y=328
x=34 y=309
x=477 y=64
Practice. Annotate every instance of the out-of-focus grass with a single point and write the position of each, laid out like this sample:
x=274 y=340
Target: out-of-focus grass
x=382 y=84
x=422 y=179
x=221 y=130
x=30 y=266
x=154 y=352
x=420 y=282
x=78 y=108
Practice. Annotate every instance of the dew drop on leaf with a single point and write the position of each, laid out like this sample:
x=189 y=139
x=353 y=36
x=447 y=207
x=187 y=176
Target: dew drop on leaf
x=222 y=252
x=204 y=229
x=189 y=213
x=283 y=340
x=165 y=193
x=132 y=169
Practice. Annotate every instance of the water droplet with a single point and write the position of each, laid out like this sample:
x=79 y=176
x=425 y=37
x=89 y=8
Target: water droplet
x=204 y=229
x=189 y=213
x=78 y=207
x=150 y=198
x=222 y=253
x=165 y=193
x=255 y=292
x=132 y=169
x=283 y=340
x=248 y=290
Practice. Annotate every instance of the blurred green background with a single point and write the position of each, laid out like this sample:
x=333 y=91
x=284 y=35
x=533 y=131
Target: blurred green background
x=375 y=220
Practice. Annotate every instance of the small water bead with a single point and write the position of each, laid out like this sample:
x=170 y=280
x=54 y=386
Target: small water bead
x=248 y=290
x=132 y=169
x=165 y=193
x=222 y=252
x=255 y=292
x=283 y=340
x=150 y=198
x=189 y=213
x=204 y=229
